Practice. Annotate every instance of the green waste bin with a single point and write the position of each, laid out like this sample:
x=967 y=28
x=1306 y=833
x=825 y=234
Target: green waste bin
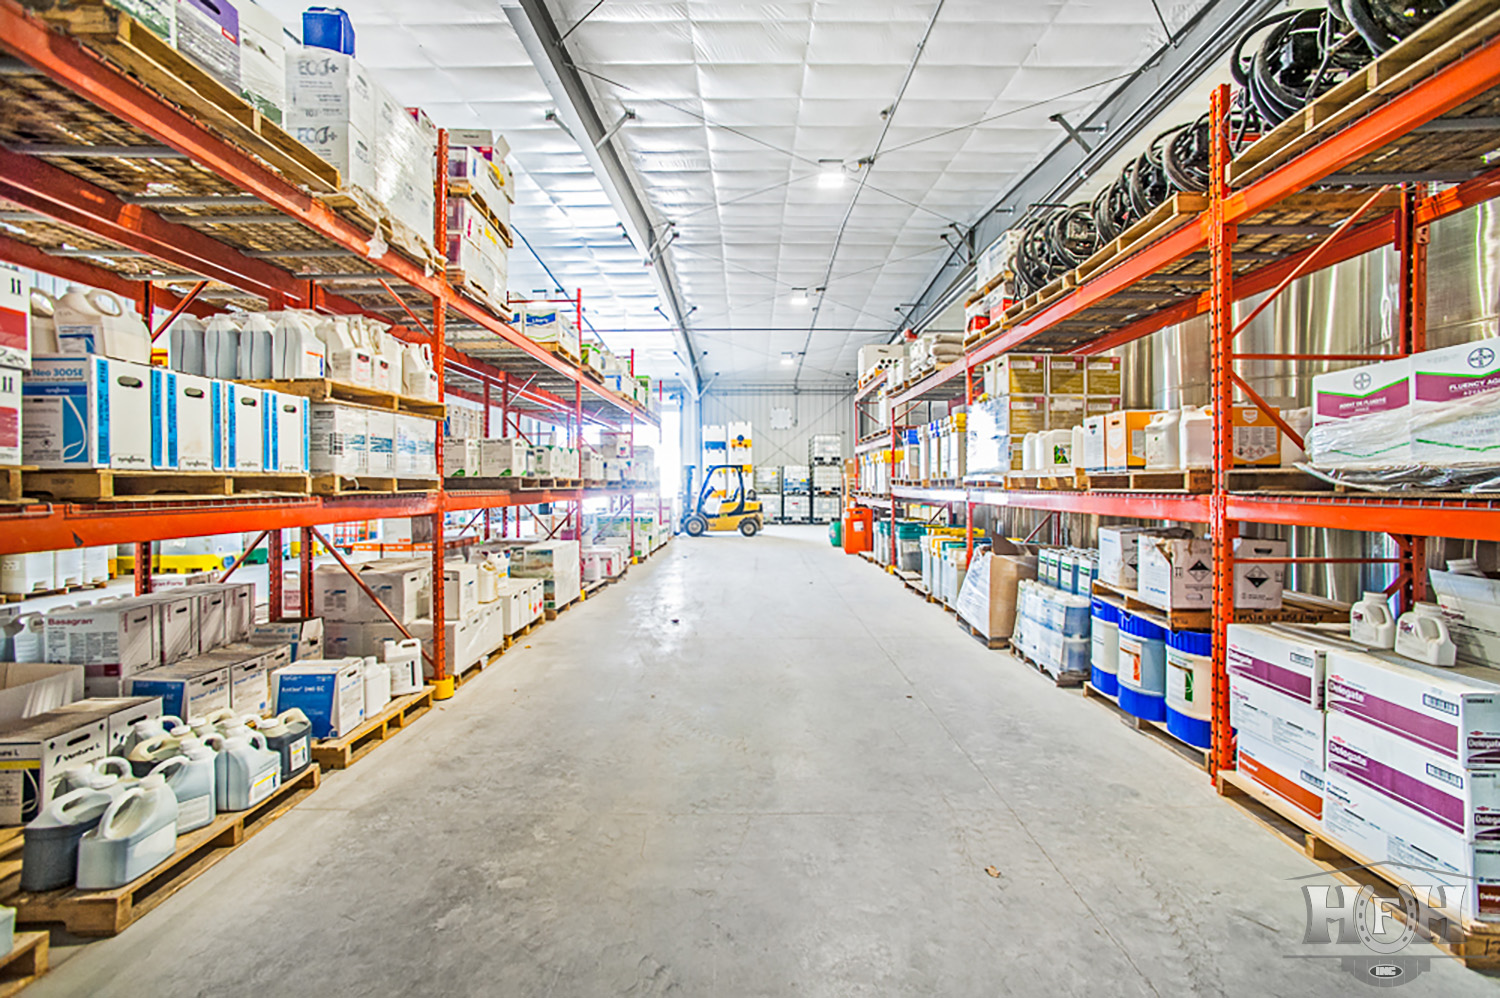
x=836 y=533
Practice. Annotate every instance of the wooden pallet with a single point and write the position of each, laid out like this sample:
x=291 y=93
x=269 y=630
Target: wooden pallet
x=1066 y=681
x=1475 y=944
x=1436 y=45
x=559 y=350
x=1046 y=483
x=512 y=639
x=11 y=490
x=65 y=590
x=1194 y=481
x=1155 y=729
x=345 y=485
x=27 y=960
x=993 y=644
x=1296 y=608
x=328 y=390
x=109 y=912
x=130 y=45
x=1165 y=219
x=1275 y=480
x=109 y=485
x=473 y=669
x=555 y=613
x=501 y=483
x=341 y=753
x=462 y=187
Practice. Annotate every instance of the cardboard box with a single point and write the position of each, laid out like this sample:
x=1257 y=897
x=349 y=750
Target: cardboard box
x=112 y=639
x=33 y=754
x=1020 y=374
x=460 y=590
x=400 y=585
x=1257 y=440
x=209 y=34
x=348 y=149
x=1119 y=555
x=1094 y=450
x=10 y=416
x=1125 y=439
x=177 y=632
x=239 y=609
x=31 y=688
x=303 y=636
x=120 y=715
x=987 y=599
x=289 y=425
x=331 y=692
x=460 y=457
x=324 y=87
x=1065 y=375
x=1453 y=712
x=338 y=441
x=86 y=411
x=1293 y=779
x=1256 y=586
x=211 y=615
x=1175 y=572
x=1380 y=390
x=26 y=573
x=243 y=444
x=191 y=689
x=381 y=458
x=159 y=16
x=1446 y=429
x=187 y=420
x=499 y=458
x=250 y=681
x=1102 y=375
x=1290 y=660
x=1282 y=722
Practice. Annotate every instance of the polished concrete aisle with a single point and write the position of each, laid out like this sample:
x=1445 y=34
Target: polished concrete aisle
x=755 y=767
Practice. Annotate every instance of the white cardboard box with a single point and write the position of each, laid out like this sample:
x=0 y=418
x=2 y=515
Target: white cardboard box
x=501 y=457
x=1119 y=555
x=1258 y=587
x=112 y=640
x=460 y=590
x=10 y=413
x=15 y=318
x=398 y=584
x=1455 y=712
x=177 y=632
x=186 y=421
x=1175 y=572
x=1295 y=780
x=381 y=443
x=1290 y=726
x=191 y=689
x=244 y=427
x=327 y=87
x=331 y=692
x=86 y=411
x=29 y=572
x=1290 y=660
x=31 y=688
x=263 y=44
x=460 y=457
x=339 y=439
x=1382 y=388
x=303 y=636
x=1445 y=431
x=288 y=422
x=33 y=754
x=120 y=715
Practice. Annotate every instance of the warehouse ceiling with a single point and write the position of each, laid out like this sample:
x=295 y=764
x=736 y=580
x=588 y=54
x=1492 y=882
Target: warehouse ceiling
x=808 y=157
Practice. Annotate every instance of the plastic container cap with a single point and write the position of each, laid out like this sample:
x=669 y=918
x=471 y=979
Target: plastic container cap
x=1192 y=642
x=1140 y=627
x=1106 y=611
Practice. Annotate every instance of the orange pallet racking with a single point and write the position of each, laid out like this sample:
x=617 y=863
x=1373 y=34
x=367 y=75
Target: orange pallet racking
x=90 y=142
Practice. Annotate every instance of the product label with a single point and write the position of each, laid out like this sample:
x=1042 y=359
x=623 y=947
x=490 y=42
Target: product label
x=194 y=812
x=298 y=754
x=264 y=784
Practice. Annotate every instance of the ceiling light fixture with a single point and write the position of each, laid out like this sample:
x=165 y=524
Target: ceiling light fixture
x=788 y=358
x=831 y=173
x=798 y=298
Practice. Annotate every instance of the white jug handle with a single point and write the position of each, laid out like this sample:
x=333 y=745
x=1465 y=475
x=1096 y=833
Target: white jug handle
x=115 y=308
x=251 y=721
x=426 y=349
x=291 y=715
x=168 y=768
x=222 y=714
x=106 y=822
x=215 y=742
x=142 y=751
x=256 y=736
x=112 y=762
x=47 y=302
x=80 y=797
x=177 y=722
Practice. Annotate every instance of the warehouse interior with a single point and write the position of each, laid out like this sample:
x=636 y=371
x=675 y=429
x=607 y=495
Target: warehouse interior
x=611 y=497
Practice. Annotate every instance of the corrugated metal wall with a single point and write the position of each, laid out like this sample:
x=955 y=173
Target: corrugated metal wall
x=812 y=413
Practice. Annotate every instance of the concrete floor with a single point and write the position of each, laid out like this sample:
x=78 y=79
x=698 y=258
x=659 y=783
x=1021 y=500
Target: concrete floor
x=756 y=767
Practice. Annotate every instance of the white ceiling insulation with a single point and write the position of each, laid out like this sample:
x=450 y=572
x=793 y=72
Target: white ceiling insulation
x=755 y=124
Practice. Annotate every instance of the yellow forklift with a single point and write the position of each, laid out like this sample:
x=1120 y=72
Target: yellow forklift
x=724 y=503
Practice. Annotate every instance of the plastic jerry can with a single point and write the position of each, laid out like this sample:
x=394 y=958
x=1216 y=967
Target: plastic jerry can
x=289 y=735
x=377 y=686
x=254 y=358
x=185 y=345
x=418 y=379
x=404 y=660
x=221 y=347
x=43 y=326
x=144 y=757
x=1422 y=635
x=385 y=362
x=296 y=351
x=246 y=772
x=1163 y=441
x=144 y=731
x=137 y=832
x=1195 y=437
x=49 y=849
x=110 y=774
x=487 y=583
x=190 y=776
x=1371 y=623
x=93 y=321
x=348 y=357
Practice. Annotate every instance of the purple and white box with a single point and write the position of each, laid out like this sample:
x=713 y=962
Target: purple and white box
x=1454 y=712
x=1456 y=404
x=1376 y=397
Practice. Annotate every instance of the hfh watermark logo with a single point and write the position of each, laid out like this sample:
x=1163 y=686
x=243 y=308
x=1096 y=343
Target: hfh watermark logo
x=1375 y=926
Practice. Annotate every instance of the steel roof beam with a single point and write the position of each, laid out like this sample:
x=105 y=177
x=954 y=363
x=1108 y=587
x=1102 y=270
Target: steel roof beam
x=1134 y=106
x=538 y=32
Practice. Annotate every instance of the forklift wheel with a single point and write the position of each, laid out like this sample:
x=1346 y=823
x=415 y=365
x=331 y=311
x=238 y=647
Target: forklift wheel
x=749 y=527
x=696 y=526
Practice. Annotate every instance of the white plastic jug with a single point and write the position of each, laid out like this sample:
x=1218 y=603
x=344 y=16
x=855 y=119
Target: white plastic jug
x=185 y=345
x=144 y=731
x=487 y=584
x=190 y=776
x=110 y=774
x=144 y=757
x=1195 y=437
x=1371 y=623
x=92 y=321
x=221 y=347
x=388 y=363
x=1422 y=635
x=1163 y=441
x=49 y=853
x=404 y=660
x=289 y=735
x=1055 y=449
x=30 y=640
x=245 y=773
x=296 y=350
x=348 y=354
x=137 y=832
x=418 y=378
x=1030 y=454
x=43 y=326
x=254 y=357
x=377 y=686
x=1301 y=421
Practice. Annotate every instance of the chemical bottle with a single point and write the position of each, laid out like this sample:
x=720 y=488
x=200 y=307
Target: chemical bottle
x=487 y=583
x=49 y=850
x=296 y=350
x=137 y=832
x=246 y=772
x=190 y=775
x=97 y=322
x=185 y=345
x=1371 y=623
x=289 y=735
x=144 y=757
x=1195 y=437
x=143 y=731
x=43 y=325
x=1422 y=635
x=254 y=358
x=221 y=347
x=1163 y=441
x=418 y=378
x=348 y=357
